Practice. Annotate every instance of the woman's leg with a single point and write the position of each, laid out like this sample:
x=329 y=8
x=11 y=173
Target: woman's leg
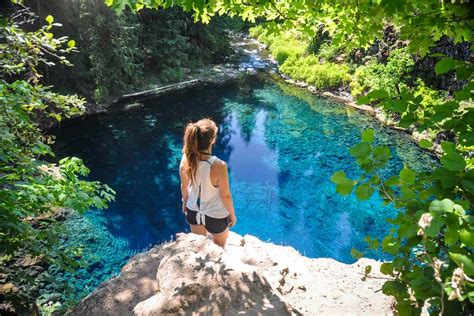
x=198 y=229
x=221 y=238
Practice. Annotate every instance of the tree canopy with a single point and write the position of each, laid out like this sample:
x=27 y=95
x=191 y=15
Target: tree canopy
x=349 y=22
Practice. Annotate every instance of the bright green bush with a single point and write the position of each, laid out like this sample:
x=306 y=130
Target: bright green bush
x=258 y=32
x=431 y=98
x=282 y=49
x=376 y=76
x=320 y=75
x=282 y=45
x=328 y=52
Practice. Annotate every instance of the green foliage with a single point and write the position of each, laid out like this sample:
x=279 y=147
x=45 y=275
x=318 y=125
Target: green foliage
x=282 y=45
x=432 y=237
x=288 y=49
x=375 y=76
x=328 y=52
x=24 y=52
x=123 y=52
x=431 y=99
x=321 y=75
x=32 y=190
x=110 y=42
x=420 y=23
x=164 y=44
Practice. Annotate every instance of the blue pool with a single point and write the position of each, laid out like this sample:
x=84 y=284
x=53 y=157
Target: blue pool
x=281 y=143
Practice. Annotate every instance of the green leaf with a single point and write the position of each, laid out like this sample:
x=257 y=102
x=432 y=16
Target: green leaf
x=453 y=161
x=344 y=188
x=356 y=254
x=377 y=94
x=407 y=229
x=393 y=180
x=443 y=206
x=407 y=193
x=71 y=43
x=463 y=73
x=450 y=237
x=467 y=237
x=343 y=184
x=339 y=177
x=468 y=185
x=462 y=95
x=448 y=147
x=394 y=288
x=445 y=65
x=405 y=308
x=382 y=154
x=407 y=176
x=367 y=270
x=360 y=150
x=368 y=135
x=386 y=268
x=463 y=260
x=363 y=100
x=364 y=191
x=373 y=243
x=447 y=178
x=390 y=245
x=50 y=19
x=424 y=143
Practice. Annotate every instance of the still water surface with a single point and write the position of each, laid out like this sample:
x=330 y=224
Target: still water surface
x=282 y=145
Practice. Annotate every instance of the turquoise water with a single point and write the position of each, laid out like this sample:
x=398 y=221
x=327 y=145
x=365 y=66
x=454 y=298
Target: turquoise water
x=281 y=143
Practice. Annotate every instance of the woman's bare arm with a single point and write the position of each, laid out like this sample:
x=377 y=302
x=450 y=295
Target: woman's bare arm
x=224 y=189
x=184 y=182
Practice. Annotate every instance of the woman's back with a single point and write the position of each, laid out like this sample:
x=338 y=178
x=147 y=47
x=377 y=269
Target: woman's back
x=203 y=196
x=205 y=190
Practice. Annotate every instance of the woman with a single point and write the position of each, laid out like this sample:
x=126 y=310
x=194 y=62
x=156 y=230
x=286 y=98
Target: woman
x=207 y=201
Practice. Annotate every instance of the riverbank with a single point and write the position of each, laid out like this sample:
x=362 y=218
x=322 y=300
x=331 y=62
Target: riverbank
x=343 y=95
x=245 y=58
x=250 y=276
x=377 y=113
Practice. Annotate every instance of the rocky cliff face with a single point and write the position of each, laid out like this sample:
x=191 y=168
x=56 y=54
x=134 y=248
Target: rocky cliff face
x=194 y=276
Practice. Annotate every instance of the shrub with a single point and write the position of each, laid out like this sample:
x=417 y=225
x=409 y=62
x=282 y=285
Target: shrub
x=322 y=76
x=283 y=48
x=32 y=189
x=431 y=99
x=169 y=75
x=328 y=52
x=375 y=76
x=282 y=45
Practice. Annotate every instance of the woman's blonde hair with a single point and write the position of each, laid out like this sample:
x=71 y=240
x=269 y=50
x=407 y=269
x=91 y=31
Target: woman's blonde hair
x=197 y=137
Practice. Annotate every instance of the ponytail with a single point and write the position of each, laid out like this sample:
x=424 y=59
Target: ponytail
x=191 y=150
x=197 y=137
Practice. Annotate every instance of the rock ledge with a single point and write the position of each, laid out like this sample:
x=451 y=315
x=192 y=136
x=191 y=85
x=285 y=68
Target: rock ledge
x=193 y=276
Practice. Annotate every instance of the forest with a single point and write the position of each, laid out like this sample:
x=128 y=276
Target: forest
x=408 y=61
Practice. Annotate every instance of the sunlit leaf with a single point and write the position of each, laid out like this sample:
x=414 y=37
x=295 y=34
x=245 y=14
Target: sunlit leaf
x=368 y=135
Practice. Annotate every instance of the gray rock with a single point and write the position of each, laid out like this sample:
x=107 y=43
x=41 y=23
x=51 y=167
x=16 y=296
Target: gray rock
x=194 y=276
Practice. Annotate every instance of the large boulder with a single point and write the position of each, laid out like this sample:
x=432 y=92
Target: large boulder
x=119 y=295
x=194 y=276
x=197 y=276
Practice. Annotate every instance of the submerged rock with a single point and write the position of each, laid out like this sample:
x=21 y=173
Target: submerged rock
x=194 y=276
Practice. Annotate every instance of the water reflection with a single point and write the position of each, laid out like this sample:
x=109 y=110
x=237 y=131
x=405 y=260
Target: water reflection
x=281 y=145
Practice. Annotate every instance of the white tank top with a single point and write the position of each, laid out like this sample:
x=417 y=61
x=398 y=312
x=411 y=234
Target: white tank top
x=203 y=196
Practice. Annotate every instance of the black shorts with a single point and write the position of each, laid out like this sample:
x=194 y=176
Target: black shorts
x=213 y=225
